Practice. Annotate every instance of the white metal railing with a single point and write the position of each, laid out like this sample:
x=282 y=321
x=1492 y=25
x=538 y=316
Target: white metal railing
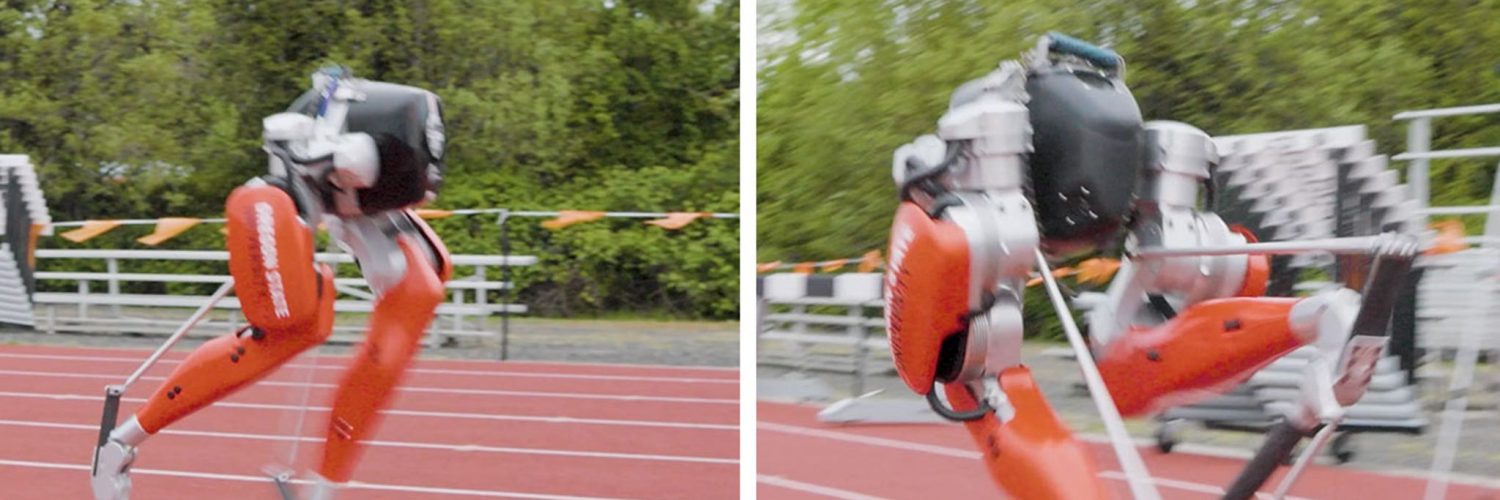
x=1459 y=298
x=1419 y=153
x=839 y=327
x=465 y=314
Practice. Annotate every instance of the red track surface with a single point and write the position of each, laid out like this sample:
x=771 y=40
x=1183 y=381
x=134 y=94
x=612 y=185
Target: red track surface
x=800 y=458
x=457 y=429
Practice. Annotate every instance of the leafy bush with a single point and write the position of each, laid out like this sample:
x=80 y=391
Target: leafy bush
x=153 y=108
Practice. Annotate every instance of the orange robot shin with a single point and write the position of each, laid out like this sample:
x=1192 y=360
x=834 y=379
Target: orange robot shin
x=1032 y=454
x=401 y=315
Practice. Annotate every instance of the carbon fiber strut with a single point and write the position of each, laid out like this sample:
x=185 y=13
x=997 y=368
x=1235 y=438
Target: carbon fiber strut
x=109 y=419
x=1281 y=439
x=283 y=484
x=1379 y=299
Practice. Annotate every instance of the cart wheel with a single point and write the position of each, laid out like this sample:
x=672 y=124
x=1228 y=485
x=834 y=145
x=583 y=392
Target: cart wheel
x=1340 y=449
x=1166 y=436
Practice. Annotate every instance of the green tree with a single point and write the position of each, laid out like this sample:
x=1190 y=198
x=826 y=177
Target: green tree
x=153 y=107
x=844 y=83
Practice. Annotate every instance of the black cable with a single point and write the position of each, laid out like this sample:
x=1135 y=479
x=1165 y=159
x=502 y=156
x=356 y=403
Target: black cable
x=921 y=173
x=955 y=415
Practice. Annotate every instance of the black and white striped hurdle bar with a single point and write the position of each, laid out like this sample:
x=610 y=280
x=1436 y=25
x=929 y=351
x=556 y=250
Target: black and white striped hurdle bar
x=842 y=288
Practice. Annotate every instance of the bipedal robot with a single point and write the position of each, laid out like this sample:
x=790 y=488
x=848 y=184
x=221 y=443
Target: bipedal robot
x=354 y=155
x=1049 y=156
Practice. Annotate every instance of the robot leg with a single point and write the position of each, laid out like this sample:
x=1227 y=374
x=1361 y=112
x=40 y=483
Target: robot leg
x=401 y=315
x=1207 y=348
x=287 y=301
x=1031 y=454
x=941 y=271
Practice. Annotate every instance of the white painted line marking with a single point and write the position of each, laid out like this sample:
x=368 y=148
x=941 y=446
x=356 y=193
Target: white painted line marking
x=409 y=413
x=532 y=362
x=352 y=484
x=964 y=454
x=435 y=371
x=1206 y=489
x=399 y=444
x=434 y=390
x=872 y=441
x=816 y=489
x=591 y=363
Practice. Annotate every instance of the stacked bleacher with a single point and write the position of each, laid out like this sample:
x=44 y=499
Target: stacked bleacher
x=22 y=207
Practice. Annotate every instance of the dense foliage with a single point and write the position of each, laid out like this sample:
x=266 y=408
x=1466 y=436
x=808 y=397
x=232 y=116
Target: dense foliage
x=844 y=82
x=145 y=108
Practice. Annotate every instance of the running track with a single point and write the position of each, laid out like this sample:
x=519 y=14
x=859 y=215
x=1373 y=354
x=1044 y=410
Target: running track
x=458 y=429
x=800 y=458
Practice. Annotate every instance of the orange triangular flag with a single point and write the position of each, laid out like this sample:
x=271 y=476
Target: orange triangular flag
x=1450 y=238
x=803 y=268
x=224 y=230
x=767 y=266
x=166 y=228
x=36 y=232
x=1059 y=273
x=676 y=220
x=1097 y=270
x=870 y=261
x=428 y=213
x=833 y=265
x=567 y=218
x=90 y=229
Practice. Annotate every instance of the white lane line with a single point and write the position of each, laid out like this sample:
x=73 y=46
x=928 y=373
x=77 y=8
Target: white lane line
x=400 y=444
x=1206 y=489
x=591 y=363
x=481 y=362
x=434 y=371
x=872 y=441
x=433 y=390
x=815 y=489
x=965 y=454
x=408 y=413
x=352 y=484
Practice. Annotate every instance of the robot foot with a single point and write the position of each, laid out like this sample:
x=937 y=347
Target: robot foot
x=319 y=488
x=111 y=474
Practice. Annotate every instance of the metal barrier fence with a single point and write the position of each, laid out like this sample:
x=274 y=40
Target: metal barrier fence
x=827 y=323
x=99 y=306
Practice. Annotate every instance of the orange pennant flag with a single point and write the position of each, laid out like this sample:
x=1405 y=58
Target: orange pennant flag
x=870 y=261
x=833 y=265
x=428 y=213
x=803 y=268
x=1059 y=273
x=677 y=220
x=1097 y=270
x=166 y=228
x=90 y=229
x=767 y=266
x=567 y=218
x=1449 y=239
x=36 y=232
